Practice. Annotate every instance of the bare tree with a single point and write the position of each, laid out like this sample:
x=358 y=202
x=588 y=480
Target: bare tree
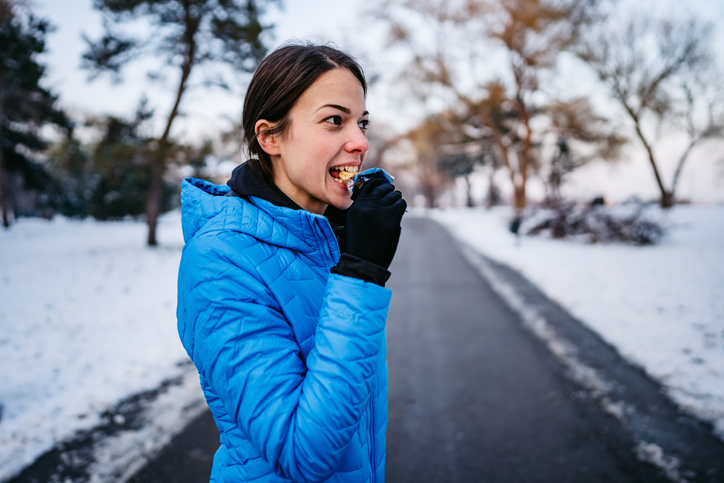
x=188 y=34
x=532 y=33
x=426 y=139
x=463 y=165
x=659 y=72
x=581 y=136
x=700 y=91
x=380 y=143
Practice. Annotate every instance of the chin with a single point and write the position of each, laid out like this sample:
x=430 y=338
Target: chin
x=339 y=196
x=342 y=204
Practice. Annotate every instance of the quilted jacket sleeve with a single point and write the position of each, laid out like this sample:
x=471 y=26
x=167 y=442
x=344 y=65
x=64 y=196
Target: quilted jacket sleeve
x=300 y=417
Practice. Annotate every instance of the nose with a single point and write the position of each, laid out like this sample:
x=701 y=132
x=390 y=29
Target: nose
x=358 y=143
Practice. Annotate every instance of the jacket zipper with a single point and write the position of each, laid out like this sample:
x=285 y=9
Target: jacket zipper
x=371 y=437
x=325 y=243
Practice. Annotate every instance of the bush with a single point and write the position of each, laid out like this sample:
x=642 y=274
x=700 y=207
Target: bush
x=593 y=223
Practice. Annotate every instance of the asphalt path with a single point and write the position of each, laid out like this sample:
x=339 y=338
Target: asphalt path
x=475 y=396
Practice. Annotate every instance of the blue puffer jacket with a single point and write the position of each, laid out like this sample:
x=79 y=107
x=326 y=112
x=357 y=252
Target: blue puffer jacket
x=291 y=358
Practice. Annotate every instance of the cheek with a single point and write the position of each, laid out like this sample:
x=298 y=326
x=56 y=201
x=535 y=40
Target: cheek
x=315 y=154
x=324 y=145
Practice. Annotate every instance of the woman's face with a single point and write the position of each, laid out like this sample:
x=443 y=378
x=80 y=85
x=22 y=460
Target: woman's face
x=327 y=131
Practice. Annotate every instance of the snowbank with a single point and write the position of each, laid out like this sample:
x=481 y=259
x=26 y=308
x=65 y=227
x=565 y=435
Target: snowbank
x=87 y=313
x=661 y=307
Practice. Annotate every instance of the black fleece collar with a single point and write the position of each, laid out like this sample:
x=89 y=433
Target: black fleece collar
x=245 y=181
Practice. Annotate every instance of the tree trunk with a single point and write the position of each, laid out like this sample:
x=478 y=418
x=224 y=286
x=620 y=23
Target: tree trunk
x=667 y=198
x=491 y=198
x=469 y=192
x=429 y=191
x=680 y=166
x=155 y=190
x=3 y=191
x=3 y=196
x=524 y=164
x=519 y=198
x=153 y=202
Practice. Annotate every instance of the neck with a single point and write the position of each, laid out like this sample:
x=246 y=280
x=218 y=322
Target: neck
x=305 y=201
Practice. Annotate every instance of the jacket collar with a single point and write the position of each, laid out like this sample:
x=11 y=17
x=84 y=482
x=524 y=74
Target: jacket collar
x=206 y=207
x=246 y=182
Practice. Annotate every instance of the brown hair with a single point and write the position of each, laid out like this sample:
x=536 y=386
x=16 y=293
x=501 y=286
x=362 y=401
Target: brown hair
x=279 y=81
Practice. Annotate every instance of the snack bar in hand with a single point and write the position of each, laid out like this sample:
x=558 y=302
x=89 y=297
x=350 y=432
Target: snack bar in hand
x=356 y=181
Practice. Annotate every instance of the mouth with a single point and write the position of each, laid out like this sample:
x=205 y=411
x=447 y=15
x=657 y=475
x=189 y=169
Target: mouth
x=342 y=174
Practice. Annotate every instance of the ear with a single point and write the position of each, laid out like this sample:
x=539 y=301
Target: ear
x=268 y=142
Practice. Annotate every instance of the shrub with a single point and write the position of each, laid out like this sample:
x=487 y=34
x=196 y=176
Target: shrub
x=593 y=223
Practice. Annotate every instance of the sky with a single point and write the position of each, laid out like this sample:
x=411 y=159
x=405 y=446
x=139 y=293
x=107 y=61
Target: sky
x=208 y=111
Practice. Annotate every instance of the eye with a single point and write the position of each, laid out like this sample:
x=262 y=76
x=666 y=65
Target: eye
x=336 y=120
x=363 y=124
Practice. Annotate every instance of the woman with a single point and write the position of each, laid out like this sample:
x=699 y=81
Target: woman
x=282 y=305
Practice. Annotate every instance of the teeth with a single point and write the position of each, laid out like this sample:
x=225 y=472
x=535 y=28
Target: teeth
x=342 y=174
x=350 y=169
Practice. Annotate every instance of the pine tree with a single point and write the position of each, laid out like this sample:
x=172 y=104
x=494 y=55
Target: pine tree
x=188 y=34
x=25 y=105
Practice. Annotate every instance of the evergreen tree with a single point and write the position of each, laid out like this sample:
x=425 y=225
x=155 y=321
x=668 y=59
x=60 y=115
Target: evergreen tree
x=187 y=33
x=120 y=164
x=25 y=106
x=109 y=177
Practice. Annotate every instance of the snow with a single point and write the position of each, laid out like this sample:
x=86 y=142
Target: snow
x=655 y=455
x=660 y=306
x=87 y=313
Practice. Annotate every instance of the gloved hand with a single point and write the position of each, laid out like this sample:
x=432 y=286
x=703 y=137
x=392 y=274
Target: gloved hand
x=373 y=223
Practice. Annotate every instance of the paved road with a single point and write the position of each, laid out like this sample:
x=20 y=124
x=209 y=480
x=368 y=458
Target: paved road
x=474 y=397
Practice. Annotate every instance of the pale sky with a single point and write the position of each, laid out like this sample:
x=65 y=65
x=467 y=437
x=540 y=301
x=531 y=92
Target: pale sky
x=209 y=111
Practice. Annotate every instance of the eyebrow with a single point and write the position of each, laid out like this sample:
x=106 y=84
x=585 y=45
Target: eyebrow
x=346 y=110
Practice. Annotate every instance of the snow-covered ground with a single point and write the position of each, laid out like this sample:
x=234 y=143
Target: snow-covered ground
x=87 y=318
x=661 y=306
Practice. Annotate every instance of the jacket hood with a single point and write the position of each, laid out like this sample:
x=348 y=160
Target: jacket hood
x=206 y=207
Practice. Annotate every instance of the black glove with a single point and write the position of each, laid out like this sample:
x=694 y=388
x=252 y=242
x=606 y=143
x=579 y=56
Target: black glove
x=373 y=223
